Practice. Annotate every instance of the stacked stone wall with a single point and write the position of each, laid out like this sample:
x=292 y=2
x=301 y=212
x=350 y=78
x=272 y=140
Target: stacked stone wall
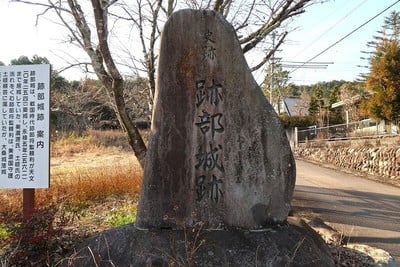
x=377 y=158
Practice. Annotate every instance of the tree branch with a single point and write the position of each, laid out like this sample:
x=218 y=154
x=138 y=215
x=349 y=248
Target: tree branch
x=116 y=81
x=245 y=21
x=51 y=5
x=285 y=12
x=270 y=53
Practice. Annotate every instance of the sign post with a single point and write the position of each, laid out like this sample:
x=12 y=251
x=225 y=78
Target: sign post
x=25 y=135
x=28 y=203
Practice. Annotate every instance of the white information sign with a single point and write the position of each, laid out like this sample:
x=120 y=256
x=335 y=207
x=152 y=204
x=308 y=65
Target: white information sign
x=24 y=122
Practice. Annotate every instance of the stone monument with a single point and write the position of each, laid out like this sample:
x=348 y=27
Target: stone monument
x=217 y=152
x=217 y=157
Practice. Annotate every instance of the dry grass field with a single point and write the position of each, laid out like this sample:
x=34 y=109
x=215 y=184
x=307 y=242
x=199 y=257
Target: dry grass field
x=94 y=185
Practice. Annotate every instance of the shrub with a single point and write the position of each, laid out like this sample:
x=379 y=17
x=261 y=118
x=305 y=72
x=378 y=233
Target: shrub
x=296 y=121
x=36 y=242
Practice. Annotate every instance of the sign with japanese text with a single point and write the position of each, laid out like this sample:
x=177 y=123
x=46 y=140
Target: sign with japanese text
x=25 y=116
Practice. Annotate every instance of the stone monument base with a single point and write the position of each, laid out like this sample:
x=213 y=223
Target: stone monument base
x=291 y=244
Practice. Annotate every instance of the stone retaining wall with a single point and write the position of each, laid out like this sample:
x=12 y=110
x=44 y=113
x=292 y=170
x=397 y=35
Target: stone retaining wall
x=375 y=157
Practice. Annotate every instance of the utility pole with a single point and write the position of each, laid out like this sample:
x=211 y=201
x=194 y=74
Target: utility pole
x=271 y=85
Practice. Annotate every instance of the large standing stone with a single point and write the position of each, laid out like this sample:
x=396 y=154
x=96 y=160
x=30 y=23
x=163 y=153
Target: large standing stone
x=217 y=151
x=217 y=154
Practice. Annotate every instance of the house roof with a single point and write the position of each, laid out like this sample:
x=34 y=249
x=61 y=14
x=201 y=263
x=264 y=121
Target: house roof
x=293 y=106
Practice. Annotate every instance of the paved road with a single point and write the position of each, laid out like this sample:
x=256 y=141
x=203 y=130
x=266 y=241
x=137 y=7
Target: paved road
x=366 y=211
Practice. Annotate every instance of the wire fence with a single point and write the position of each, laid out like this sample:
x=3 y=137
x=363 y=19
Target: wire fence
x=354 y=130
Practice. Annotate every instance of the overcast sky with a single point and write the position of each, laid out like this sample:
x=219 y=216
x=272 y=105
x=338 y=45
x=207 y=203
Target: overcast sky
x=321 y=26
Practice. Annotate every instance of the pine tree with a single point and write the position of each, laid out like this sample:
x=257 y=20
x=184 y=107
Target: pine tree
x=384 y=81
x=316 y=103
x=335 y=114
x=391 y=26
x=384 y=77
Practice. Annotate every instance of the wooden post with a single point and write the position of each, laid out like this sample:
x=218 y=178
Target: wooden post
x=28 y=203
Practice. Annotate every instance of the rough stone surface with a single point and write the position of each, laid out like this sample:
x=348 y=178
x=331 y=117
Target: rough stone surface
x=328 y=234
x=217 y=152
x=292 y=244
x=351 y=254
x=380 y=257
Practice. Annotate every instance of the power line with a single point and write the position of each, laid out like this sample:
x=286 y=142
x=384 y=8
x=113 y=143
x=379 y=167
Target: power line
x=314 y=62
x=305 y=65
x=347 y=35
x=331 y=27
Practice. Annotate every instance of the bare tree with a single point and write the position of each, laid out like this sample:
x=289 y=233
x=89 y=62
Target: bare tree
x=73 y=109
x=91 y=25
x=84 y=105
